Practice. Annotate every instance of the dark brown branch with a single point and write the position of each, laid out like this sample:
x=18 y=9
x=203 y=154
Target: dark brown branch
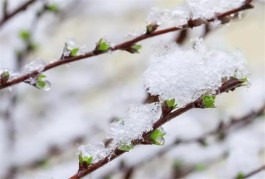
x=125 y=45
x=229 y=85
x=7 y=16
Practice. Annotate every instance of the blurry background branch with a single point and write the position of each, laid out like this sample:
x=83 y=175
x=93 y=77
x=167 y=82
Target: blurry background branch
x=242 y=175
x=9 y=15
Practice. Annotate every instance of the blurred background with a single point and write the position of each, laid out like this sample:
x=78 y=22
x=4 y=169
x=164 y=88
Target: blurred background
x=40 y=131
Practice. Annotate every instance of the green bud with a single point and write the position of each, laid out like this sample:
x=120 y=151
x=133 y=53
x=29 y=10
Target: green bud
x=157 y=137
x=25 y=35
x=74 y=52
x=52 y=8
x=208 y=101
x=87 y=160
x=171 y=103
x=102 y=46
x=240 y=175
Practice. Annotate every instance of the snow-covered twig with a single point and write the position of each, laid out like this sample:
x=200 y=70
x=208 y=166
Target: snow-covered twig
x=84 y=170
x=221 y=131
x=127 y=45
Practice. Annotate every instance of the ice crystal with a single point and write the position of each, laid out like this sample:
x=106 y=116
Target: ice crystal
x=187 y=74
x=35 y=65
x=69 y=47
x=97 y=151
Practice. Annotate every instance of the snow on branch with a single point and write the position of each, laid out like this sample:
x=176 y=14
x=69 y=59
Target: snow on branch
x=87 y=165
x=103 y=46
x=221 y=131
x=185 y=75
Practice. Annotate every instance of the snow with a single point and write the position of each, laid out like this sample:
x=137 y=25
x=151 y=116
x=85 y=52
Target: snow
x=167 y=17
x=138 y=119
x=209 y=8
x=194 y=9
x=38 y=65
x=187 y=74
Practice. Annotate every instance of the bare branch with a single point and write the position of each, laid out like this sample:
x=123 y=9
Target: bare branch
x=7 y=16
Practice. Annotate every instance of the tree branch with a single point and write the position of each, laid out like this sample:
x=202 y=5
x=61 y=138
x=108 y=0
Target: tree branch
x=7 y=16
x=227 y=86
x=220 y=132
x=126 y=45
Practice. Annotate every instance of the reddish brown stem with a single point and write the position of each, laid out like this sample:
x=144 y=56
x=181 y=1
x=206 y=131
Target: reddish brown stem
x=124 y=45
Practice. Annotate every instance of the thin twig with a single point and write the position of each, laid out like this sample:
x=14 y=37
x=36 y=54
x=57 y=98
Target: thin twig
x=7 y=16
x=227 y=86
x=127 y=44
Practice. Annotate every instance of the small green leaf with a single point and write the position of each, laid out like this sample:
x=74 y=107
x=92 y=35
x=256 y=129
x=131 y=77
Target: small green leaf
x=87 y=160
x=200 y=167
x=52 y=8
x=74 y=51
x=171 y=103
x=125 y=147
x=102 y=46
x=4 y=77
x=157 y=137
x=25 y=35
x=208 y=101
x=240 y=175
